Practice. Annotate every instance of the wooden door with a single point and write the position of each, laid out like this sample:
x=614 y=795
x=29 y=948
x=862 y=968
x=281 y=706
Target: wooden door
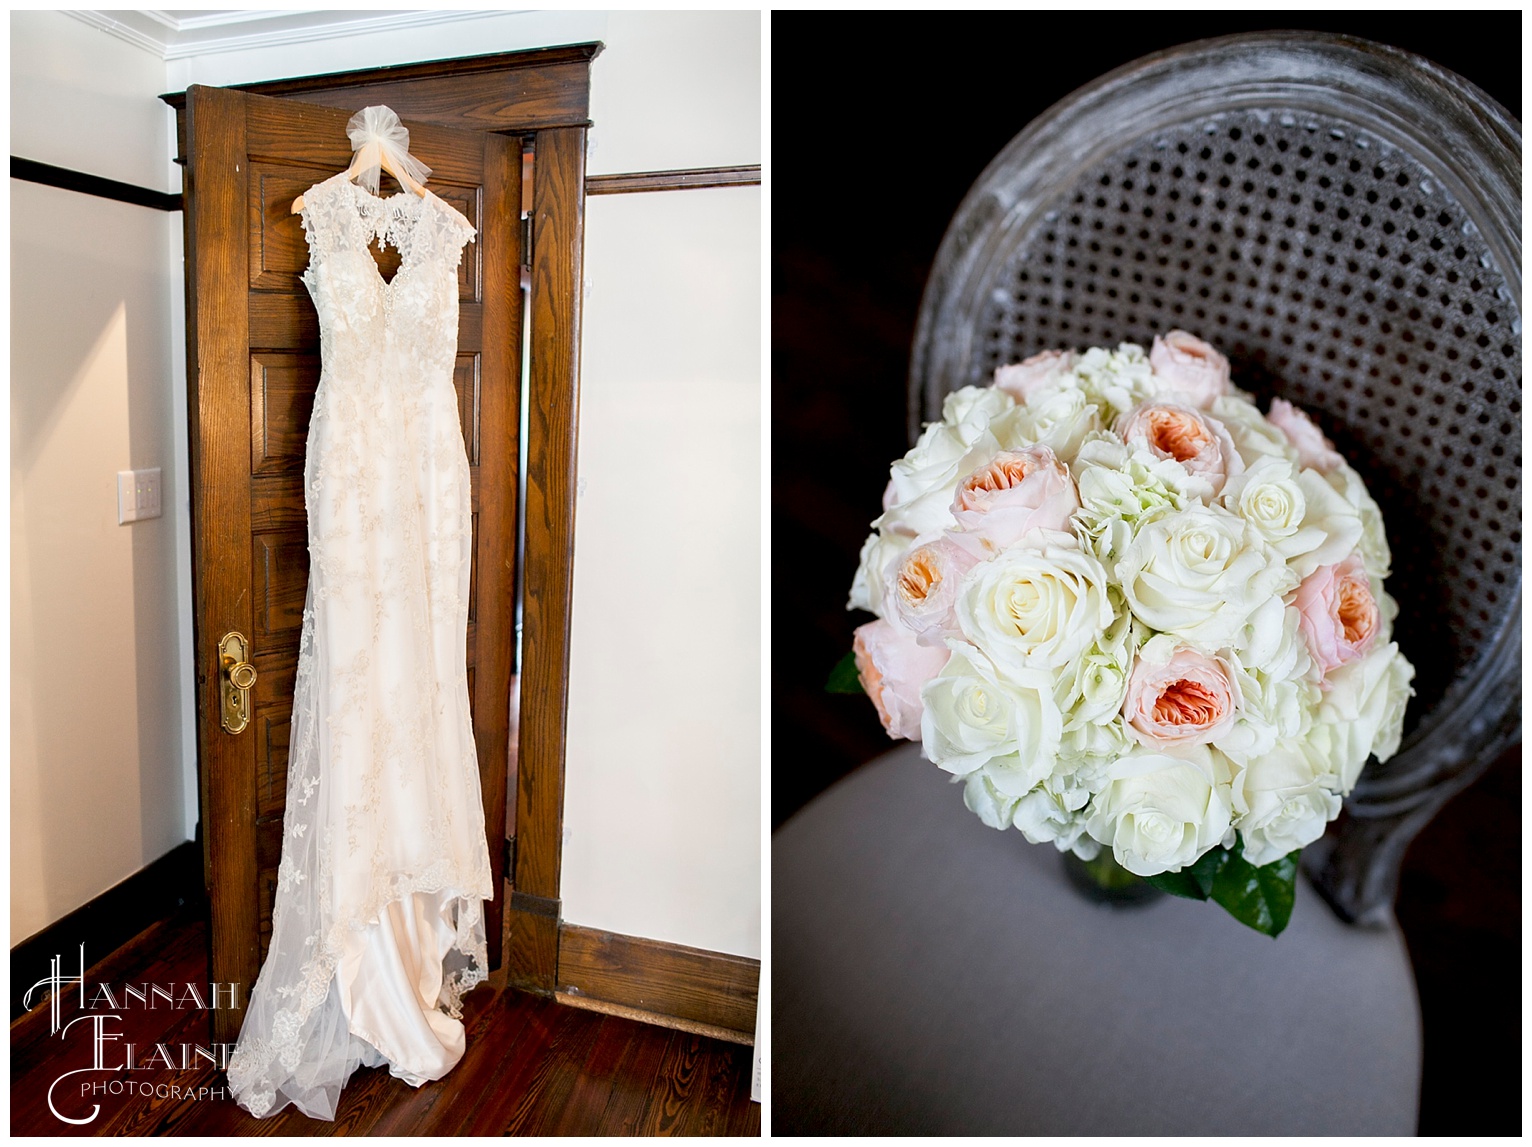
x=253 y=365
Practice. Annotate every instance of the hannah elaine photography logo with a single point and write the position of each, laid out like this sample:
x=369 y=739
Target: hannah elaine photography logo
x=100 y=1022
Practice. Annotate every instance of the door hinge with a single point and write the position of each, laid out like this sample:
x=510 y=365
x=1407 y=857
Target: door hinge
x=509 y=871
x=526 y=241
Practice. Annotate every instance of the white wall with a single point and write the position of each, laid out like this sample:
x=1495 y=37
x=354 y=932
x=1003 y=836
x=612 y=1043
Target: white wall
x=663 y=837
x=85 y=100
x=99 y=770
x=662 y=804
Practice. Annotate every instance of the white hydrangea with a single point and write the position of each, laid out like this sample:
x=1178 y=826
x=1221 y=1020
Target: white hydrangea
x=1055 y=812
x=1120 y=489
x=1115 y=381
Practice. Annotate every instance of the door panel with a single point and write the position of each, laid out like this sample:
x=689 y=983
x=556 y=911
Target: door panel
x=253 y=368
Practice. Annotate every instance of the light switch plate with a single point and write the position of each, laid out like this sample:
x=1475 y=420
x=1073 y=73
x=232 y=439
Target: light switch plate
x=138 y=495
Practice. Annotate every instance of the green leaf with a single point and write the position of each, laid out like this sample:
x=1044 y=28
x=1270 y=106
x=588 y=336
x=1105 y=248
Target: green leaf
x=1260 y=898
x=844 y=677
x=1195 y=881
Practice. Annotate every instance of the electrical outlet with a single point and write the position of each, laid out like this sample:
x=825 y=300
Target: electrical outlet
x=138 y=495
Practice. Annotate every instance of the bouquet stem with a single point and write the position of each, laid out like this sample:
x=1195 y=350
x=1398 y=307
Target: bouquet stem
x=1105 y=881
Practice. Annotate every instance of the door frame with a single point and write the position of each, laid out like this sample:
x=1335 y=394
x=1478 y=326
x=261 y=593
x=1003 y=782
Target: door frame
x=542 y=95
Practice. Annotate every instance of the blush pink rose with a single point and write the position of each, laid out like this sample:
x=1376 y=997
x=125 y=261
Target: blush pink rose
x=1314 y=449
x=1023 y=379
x=892 y=667
x=1198 y=441
x=1018 y=491
x=1337 y=613
x=1190 y=699
x=1186 y=364
x=922 y=588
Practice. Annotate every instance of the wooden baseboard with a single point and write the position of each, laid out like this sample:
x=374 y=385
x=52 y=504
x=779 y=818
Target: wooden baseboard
x=109 y=921
x=729 y=1035
x=659 y=982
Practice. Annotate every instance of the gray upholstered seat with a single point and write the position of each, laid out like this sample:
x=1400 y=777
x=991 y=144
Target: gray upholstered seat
x=1342 y=220
x=931 y=975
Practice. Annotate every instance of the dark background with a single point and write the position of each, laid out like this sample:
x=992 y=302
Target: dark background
x=876 y=140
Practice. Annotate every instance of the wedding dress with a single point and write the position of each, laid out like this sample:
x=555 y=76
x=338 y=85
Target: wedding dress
x=377 y=929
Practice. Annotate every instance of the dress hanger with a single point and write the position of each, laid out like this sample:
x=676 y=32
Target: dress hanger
x=380 y=141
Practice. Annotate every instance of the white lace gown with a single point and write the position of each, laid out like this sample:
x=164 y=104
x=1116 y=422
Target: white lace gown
x=377 y=929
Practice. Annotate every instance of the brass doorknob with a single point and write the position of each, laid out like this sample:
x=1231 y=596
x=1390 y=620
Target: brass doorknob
x=236 y=676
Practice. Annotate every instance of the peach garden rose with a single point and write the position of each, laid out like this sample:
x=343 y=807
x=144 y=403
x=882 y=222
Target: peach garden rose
x=893 y=668
x=1179 y=695
x=1197 y=441
x=1314 y=450
x=1186 y=365
x=923 y=586
x=1339 y=614
x=1023 y=379
x=1017 y=491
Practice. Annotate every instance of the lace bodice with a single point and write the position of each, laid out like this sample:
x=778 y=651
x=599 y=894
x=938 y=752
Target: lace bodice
x=358 y=311
x=384 y=826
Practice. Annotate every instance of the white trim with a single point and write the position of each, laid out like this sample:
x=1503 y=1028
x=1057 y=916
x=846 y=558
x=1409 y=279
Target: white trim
x=102 y=22
x=170 y=38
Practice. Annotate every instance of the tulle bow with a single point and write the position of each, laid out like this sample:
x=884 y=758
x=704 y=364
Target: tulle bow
x=376 y=132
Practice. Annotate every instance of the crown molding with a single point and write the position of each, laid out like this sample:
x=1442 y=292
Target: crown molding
x=177 y=36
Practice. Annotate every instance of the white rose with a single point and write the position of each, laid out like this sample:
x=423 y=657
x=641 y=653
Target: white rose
x=1267 y=495
x=1254 y=437
x=1055 y=812
x=1388 y=608
x=878 y=552
x=921 y=484
x=1261 y=634
x=1296 y=513
x=1200 y=573
x=1058 y=416
x=1374 y=542
x=1038 y=605
x=1159 y=813
x=1362 y=713
x=970 y=408
x=1282 y=802
x=1334 y=517
x=976 y=719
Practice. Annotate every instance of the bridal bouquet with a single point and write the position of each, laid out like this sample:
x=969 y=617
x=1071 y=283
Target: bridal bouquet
x=1131 y=612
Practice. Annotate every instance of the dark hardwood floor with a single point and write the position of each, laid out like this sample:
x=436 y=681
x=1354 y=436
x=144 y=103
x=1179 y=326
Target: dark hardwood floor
x=533 y=1067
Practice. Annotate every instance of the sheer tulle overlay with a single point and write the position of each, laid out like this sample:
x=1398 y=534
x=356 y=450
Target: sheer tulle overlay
x=377 y=929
